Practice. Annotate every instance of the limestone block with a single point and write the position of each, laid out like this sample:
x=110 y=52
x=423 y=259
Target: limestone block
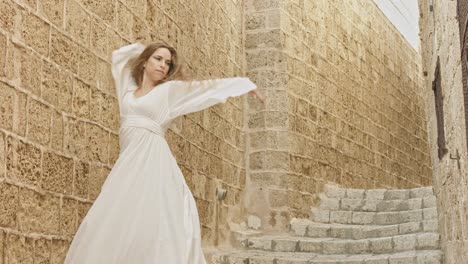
x=429 y=202
x=9 y=206
x=77 y=22
x=434 y=257
x=397 y=194
x=35 y=33
x=430 y=225
x=39 y=117
x=42 y=250
x=7 y=106
x=9 y=13
x=81 y=182
x=97 y=143
x=404 y=242
x=414 y=204
x=20 y=117
x=38 y=212
x=427 y=241
x=317 y=231
x=411 y=216
x=18 y=249
x=255 y=21
x=2 y=246
x=57 y=87
x=358 y=247
x=375 y=194
x=370 y=205
x=114 y=148
x=333 y=191
x=57 y=174
x=2 y=155
x=363 y=218
x=53 y=11
x=384 y=231
x=430 y=213
x=310 y=246
x=75 y=137
x=334 y=247
x=321 y=216
x=104 y=80
x=402 y=258
x=125 y=20
x=68 y=217
x=387 y=218
x=29 y=74
x=269 y=160
x=355 y=193
x=83 y=208
x=260 y=243
x=98 y=37
x=254 y=222
x=3 y=50
x=410 y=227
x=422 y=192
x=262 y=5
x=348 y=204
x=64 y=51
x=59 y=250
x=23 y=162
x=57 y=131
x=101 y=9
x=95 y=102
x=339 y=231
x=342 y=217
x=264 y=39
x=285 y=244
x=278 y=198
x=81 y=99
x=329 y=204
x=87 y=64
x=381 y=245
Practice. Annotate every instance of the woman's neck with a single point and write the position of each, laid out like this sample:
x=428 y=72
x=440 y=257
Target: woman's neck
x=147 y=85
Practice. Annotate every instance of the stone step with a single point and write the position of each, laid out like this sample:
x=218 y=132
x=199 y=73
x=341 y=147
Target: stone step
x=392 y=244
x=373 y=205
x=373 y=218
x=307 y=228
x=333 y=191
x=262 y=257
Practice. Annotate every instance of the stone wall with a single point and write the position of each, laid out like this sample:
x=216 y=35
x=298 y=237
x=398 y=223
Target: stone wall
x=59 y=118
x=440 y=38
x=345 y=105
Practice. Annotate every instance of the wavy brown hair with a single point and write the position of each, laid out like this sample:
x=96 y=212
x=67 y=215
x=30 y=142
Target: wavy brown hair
x=175 y=68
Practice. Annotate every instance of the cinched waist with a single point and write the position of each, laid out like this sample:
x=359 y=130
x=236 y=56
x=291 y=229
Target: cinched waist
x=141 y=122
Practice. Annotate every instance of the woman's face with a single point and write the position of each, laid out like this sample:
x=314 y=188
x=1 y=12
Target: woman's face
x=157 y=66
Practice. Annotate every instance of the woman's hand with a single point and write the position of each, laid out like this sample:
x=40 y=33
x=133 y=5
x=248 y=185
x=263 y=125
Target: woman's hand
x=257 y=95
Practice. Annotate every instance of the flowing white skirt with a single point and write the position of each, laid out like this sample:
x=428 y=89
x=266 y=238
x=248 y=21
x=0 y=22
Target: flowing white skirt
x=145 y=212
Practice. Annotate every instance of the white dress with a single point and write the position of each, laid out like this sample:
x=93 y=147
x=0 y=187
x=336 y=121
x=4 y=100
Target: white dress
x=145 y=213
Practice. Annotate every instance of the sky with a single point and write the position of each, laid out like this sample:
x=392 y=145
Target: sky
x=404 y=14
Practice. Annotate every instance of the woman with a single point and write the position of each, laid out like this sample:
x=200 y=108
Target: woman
x=145 y=212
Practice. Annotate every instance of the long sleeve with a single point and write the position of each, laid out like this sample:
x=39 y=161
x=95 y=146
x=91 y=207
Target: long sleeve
x=186 y=97
x=122 y=74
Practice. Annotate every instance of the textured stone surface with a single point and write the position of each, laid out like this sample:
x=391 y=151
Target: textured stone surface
x=396 y=236
x=441 y=32
x=19 y=249
x=38 y=212
x=57 y=173
x=39 y=120
x=23 y=162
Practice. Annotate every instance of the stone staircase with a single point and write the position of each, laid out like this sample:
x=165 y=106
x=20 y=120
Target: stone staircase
x=350 y=226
